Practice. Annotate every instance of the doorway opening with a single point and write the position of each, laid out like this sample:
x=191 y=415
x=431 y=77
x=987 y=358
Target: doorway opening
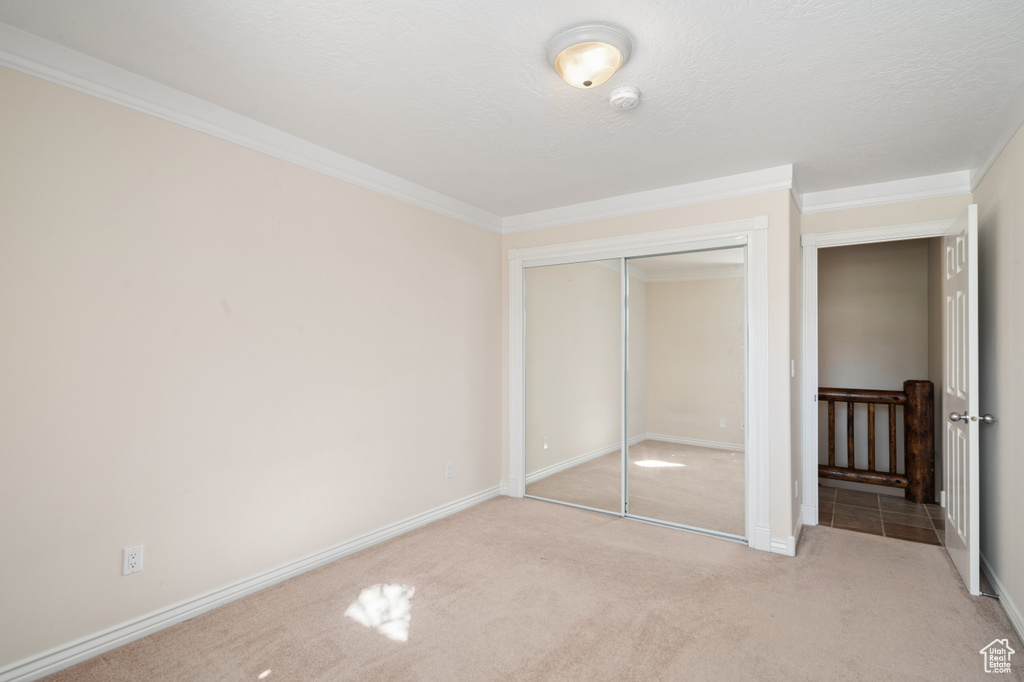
x=880 y=339
x=960 y=416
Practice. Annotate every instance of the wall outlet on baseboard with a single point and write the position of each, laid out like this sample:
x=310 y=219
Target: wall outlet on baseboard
x=449 y=470
x=721 y=423
x=132 y=560
x=942 y=499
x=796 y=488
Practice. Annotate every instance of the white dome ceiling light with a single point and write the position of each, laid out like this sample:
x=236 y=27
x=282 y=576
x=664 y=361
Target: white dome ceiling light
x=587 y=56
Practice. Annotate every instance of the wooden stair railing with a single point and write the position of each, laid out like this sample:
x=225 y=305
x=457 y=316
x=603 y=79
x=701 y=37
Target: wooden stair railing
x=917 y=399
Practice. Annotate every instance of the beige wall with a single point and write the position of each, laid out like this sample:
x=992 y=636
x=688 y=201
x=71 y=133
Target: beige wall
x=1000 y=199
x=873 y=314
x=695 y=364
x=776 y=205
x=227 y=358
x=573 y=326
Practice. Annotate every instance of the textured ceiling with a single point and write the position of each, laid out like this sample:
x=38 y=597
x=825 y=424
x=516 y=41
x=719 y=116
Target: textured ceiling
x=456 y=95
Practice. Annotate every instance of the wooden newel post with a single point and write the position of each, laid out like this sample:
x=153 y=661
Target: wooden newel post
x=919 y=441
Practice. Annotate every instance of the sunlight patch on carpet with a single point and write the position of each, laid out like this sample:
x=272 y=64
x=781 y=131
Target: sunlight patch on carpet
x=387 y=608
x=657 y=463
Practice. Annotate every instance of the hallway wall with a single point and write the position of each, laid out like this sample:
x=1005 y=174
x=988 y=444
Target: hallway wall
x=1000 y=198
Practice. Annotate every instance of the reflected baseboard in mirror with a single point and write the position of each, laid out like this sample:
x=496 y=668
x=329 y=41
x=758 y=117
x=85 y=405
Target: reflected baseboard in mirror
x=678 y=483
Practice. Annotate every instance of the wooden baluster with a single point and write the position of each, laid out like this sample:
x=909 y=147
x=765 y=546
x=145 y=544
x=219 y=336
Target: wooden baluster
x=831 y=433
x=849 y=435
x=892 y=439
x=871 y=436
x=919 y=441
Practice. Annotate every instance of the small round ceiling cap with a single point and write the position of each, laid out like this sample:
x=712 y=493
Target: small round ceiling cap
x=624 y=97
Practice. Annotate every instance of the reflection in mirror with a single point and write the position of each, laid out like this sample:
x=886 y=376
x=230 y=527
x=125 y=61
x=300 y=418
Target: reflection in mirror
x=573 y=342
x=686 y=378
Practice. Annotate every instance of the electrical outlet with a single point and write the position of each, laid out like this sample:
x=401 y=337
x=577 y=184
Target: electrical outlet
x=449 y=470
x=132 y=560
x=796 y=488
x=721 y=423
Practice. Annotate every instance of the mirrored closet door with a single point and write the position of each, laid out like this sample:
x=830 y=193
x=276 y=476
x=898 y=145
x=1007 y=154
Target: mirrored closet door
x=656 y=358
x=573 y=347
x=686 y=379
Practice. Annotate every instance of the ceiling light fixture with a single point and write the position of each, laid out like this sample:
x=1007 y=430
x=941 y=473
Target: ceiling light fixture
x=587 y=56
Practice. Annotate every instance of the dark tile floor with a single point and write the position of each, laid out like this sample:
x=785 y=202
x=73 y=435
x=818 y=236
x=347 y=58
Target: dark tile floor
x=885 y=515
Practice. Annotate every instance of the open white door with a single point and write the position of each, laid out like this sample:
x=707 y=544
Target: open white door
x=960 y=395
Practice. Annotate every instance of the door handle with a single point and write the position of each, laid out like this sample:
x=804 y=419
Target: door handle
x=984 y=419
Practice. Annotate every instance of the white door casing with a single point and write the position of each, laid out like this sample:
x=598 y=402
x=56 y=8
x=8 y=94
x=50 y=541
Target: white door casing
x=811 y=243
x=960 y=394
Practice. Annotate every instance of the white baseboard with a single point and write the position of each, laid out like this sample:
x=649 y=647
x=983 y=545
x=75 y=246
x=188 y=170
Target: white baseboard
x=788 y=546
x=82 y=649
x=696 y=441
x=579 y=459
x=1011 y=609
x=761 y=538
x=809 y=514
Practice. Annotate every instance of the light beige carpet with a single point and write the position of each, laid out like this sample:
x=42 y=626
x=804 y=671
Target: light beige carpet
x=527 y=590
x=707 y=491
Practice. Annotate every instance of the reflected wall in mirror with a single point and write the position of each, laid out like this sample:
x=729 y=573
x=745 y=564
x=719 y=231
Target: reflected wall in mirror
x=687 y=323
x=573 y=371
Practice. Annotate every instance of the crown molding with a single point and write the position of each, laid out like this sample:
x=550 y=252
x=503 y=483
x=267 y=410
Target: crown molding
x=728 y=187
x=49 y=61
x=910 y=189
x=55 y=63
x=797 y=193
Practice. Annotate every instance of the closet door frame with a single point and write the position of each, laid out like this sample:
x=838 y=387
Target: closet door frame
x=752 y=233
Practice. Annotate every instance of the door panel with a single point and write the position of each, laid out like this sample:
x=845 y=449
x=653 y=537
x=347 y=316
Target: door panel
x=960 y=397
